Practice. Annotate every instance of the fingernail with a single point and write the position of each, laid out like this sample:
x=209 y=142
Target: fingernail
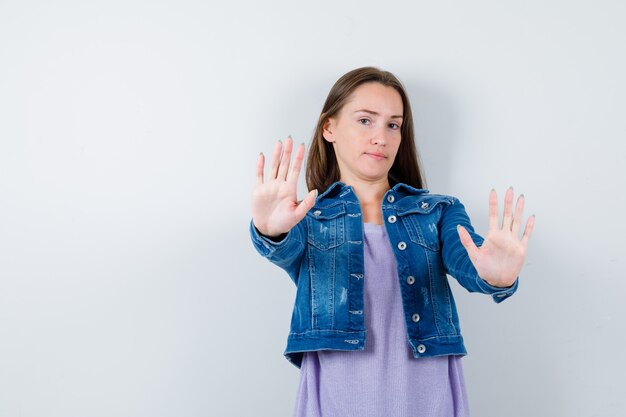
x=521 y=195
x=511 y=187
x=289 y=136
x=261 y=153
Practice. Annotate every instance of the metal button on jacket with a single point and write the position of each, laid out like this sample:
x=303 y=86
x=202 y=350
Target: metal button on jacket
x=415 y=317
x=421 y=348
x=425 y=205
x=410 y=280
x=402 y=246
x=390 y=198
x=391 y=219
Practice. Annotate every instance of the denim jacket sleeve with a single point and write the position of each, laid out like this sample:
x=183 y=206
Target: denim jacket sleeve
x=286 y=253
x=455 y=258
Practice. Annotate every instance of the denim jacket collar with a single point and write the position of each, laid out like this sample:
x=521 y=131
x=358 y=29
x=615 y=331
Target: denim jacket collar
x=339 y=187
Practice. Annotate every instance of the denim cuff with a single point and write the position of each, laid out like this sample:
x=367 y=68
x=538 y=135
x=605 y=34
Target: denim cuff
x=264 y=244
x=498 y=294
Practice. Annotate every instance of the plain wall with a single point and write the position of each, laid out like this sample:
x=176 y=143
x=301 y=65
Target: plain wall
x=129 y=133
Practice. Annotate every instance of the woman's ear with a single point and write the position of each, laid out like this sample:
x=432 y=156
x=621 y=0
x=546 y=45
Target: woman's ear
x=327 y=130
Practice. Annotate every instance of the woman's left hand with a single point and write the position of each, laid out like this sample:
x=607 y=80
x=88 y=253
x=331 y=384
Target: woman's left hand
x=501 y=256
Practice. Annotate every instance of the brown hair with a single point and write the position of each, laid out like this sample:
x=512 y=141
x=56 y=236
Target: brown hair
x=322 y=169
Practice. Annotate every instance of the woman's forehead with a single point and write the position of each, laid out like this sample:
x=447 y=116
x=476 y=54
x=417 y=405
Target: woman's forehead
x=375 y=97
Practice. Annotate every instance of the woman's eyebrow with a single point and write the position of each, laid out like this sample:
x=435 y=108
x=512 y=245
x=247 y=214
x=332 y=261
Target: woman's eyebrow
x=377 y=114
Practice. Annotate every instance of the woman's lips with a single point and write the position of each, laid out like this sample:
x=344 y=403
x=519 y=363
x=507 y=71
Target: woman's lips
x=375 y=155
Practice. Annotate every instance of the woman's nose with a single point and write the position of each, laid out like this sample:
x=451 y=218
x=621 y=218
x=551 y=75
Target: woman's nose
x=379 y=139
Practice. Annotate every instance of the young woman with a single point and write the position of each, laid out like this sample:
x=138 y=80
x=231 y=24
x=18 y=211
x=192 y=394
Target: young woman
x=374 y=328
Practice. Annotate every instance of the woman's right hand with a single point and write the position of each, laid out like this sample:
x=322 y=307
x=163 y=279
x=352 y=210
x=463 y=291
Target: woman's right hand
x=275 y=207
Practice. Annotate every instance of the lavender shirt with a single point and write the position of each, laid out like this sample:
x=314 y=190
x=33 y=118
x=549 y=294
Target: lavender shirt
x=384 y=379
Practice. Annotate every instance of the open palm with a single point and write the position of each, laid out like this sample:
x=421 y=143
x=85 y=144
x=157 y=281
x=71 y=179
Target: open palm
x=275 y=206
x=501 y=256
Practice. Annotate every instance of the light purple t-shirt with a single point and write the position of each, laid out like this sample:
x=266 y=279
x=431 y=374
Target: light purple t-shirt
x=384 y=379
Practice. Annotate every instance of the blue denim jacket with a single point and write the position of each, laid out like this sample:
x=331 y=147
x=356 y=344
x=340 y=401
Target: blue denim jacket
x=323 y=255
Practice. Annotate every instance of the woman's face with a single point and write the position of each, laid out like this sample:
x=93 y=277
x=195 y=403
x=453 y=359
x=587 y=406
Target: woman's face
x=366 y=133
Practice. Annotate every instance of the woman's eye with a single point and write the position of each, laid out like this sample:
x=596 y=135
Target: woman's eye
x=394 y=125
x=364 y=121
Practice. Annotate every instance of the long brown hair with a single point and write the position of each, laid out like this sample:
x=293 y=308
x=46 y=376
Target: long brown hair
x=322 y=169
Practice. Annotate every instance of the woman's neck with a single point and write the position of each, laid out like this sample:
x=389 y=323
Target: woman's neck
x=370 y=195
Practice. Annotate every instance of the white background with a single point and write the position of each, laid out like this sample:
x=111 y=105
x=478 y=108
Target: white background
x=129 y=132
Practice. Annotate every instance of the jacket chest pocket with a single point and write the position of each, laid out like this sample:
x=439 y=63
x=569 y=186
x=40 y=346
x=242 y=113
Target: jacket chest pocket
x=422 y=224
x=326 y=228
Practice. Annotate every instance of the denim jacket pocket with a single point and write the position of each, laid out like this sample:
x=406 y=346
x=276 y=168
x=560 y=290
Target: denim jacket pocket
x=422 y=221
x=326 y=229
